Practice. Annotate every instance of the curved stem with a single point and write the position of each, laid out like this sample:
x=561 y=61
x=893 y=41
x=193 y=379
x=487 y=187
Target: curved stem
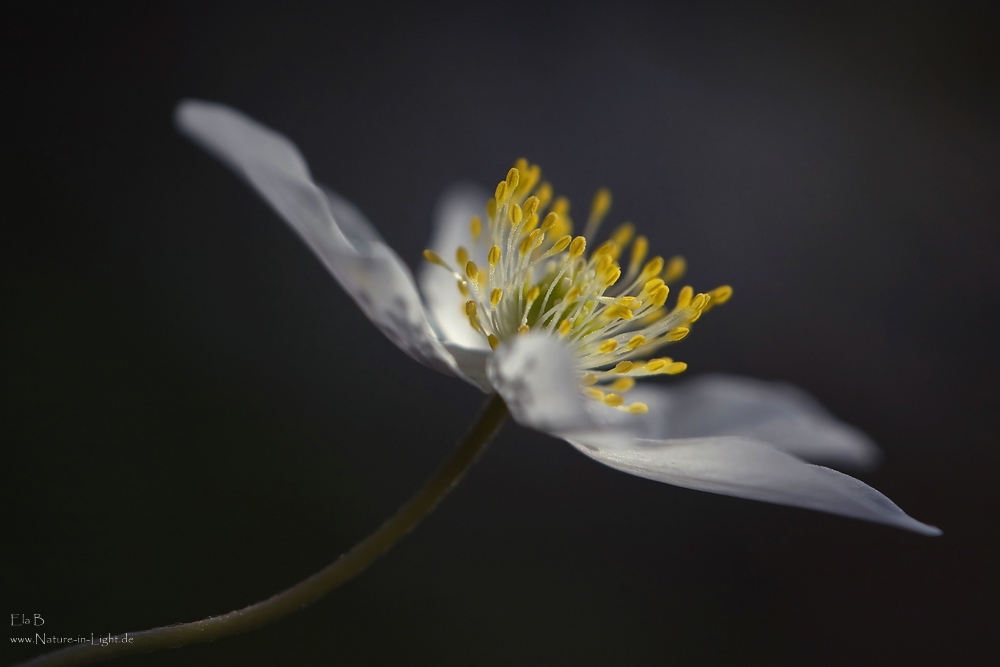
x=316 y=586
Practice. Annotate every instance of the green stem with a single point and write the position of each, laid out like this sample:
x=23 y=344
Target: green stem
x=316 y=586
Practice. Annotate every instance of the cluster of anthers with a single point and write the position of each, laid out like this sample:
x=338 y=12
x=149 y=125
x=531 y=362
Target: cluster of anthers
x=537 y=277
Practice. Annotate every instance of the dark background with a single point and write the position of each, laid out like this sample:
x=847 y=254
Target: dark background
x=196 y=416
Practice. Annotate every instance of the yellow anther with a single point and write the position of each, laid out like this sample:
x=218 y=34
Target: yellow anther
x=530 y=206
x=612 y=276
x=638 y=409
x=588 y=379
x=560 y=206
x=491 y=208
x=677 y=334
x=463 y=289
x=614 y=400
x=462 y=255
x=720 y=295
x=653 y=267
x=533 y=294
x=544 y=195
x=513 y=177
x=617 y=311
x=608 y=249
x=521 y=164
x=530 y=223
x=433 y=258
x=564 y=327
x=675 y=368
x=551 y=219
x=523 y=329
x=561 y=244
x=594 y=393
x=623 y=367
x=630 y=302
x=472 y=270
x=700 y=301
x=577 y=247
x=660 y=295
x=516 y=214
x=651 y=285
x=684 y=298
x=529 y=178
x=623 y=384
x=525 y=245
x=639 y=250
x=607 y=346
x=475 y=227
x=635 y=342
x=676 y=268
x=501 y=192
x=495 y=296
x=470 y=308
x=494 y=256
x=602 y=202
x=623 y=234
x=494 y=341
x=656 y=365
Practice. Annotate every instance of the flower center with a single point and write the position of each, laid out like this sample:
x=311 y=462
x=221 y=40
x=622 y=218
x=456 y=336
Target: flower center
x=538 y=277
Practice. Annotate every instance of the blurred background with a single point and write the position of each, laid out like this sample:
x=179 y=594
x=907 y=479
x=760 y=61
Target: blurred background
x=196 y=416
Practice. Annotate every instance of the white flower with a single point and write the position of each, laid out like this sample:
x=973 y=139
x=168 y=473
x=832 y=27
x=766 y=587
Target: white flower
x=525 y=312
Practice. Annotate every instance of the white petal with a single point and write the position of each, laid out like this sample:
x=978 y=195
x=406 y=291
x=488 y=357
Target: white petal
x=534 y=376
x=776 y=413
x=745 y=468
x=452 y=214
x=366 y=268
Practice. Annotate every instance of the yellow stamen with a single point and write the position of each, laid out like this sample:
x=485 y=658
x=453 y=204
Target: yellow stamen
x=564 y=327
x=623 y=384
x=475 y=227
x=617 y=311
x=638 y=409
x=684 y=298
x=623 y=367
x=614 y=400
x=677 y=334
x=530 y=206
x=433 y=258
x=656 y=365
x=544 y=195
x=607 y=346
x=472 y=271
x=594 y=393
x=462 y=255
x=623 y=234
x=653 y=267
x=494 y=256
x=495 y=296
x=516 y=214
x=513 y=177
x=494 y=341
x=589 y=379
x=676 y=268
x=550 y=221
x=675 y=368
x=639 y=250
x=635 y=342
x=561 y=244
x=577 y=247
